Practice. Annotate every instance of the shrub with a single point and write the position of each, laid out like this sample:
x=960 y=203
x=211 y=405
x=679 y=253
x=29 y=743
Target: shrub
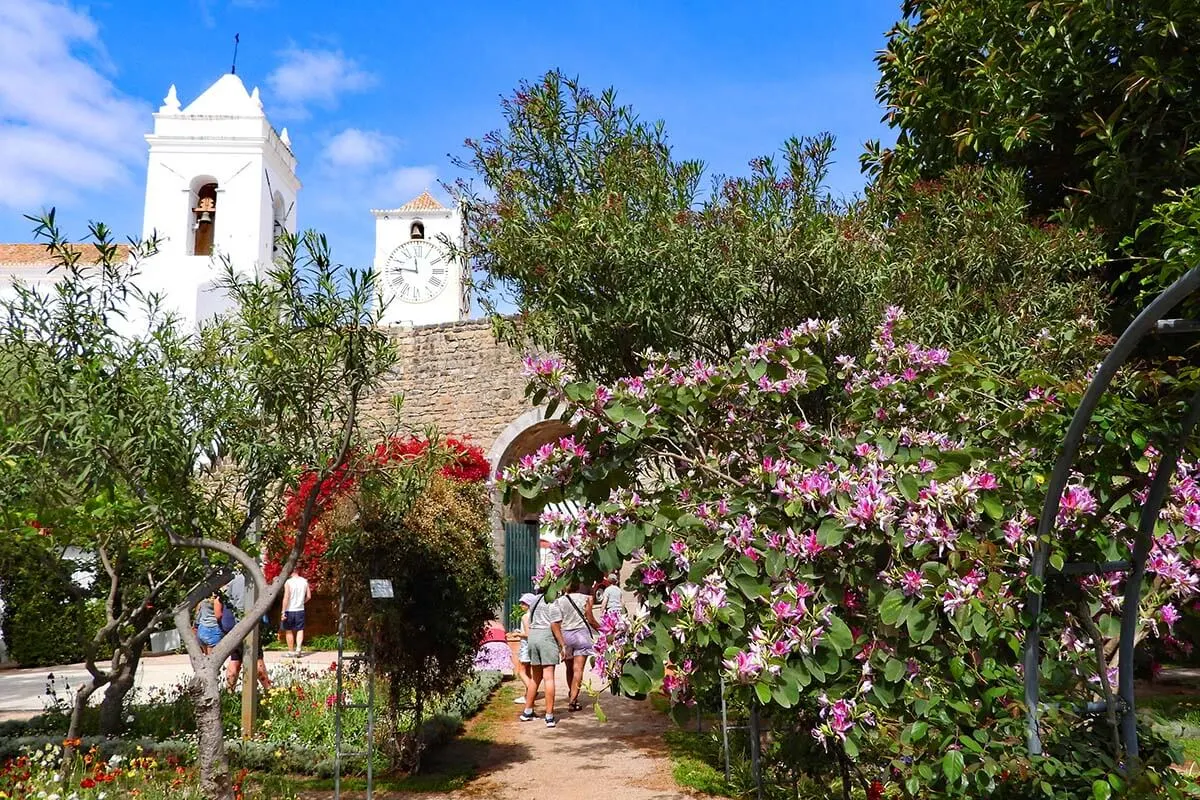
x=862 y=584
x=44 y=626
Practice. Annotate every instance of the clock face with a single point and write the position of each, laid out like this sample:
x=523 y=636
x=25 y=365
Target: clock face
x=418 y=271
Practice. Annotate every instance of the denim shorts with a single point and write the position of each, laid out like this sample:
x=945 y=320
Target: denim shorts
x=209 y=636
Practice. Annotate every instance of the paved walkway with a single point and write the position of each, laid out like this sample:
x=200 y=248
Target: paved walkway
x=23 y=691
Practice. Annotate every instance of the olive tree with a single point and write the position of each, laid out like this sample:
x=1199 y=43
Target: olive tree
x=209 y=429
x=67 y=381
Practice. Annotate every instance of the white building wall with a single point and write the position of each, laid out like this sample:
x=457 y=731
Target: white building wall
x=223 y=137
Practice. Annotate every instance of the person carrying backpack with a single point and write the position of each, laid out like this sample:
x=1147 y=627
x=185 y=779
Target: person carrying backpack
x=578 y=626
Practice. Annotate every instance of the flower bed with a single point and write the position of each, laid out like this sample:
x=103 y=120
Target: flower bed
x=295 y=733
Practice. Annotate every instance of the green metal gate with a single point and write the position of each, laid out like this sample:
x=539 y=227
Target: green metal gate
x=520 y=562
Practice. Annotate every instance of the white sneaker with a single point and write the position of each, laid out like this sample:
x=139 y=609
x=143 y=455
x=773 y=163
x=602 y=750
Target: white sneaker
x=520 y=699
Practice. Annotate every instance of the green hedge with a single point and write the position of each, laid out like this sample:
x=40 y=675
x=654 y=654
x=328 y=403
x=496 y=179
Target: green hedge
x=43 y=624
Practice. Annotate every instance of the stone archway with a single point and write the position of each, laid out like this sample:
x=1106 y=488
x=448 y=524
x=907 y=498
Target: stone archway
x=515 y=533
x=524 y=435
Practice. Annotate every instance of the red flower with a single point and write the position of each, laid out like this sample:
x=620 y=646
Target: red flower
x=469 y=465
x=875 y=792
x=87 y=783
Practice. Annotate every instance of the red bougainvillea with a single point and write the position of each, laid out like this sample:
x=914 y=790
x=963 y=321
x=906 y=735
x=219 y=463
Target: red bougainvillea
x=469 y=465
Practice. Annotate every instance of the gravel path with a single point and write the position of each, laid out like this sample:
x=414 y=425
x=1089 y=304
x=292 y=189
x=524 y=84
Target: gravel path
x=623 y=758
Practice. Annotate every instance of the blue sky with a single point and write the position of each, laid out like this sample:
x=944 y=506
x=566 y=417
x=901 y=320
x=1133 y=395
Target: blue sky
x=378 y=95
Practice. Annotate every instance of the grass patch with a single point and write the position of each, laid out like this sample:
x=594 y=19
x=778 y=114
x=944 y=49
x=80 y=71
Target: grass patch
x=327 y=642
x=693 y=759
x=1182 y=708
x=1175 y=717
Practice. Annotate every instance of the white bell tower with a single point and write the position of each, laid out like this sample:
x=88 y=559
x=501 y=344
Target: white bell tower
x=418 y=281
x=219 y=185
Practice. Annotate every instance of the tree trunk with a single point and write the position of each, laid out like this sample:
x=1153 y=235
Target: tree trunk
x=112 y=720
x=82 y=694
x=215 y=783
x=418 y=713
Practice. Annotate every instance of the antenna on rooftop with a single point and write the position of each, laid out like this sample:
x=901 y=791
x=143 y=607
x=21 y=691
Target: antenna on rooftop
x=237 y=37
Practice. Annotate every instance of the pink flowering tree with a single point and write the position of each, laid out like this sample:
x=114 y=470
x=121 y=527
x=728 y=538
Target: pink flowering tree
x=862 y=584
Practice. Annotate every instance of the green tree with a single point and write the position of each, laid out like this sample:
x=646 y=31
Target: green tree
x=611 y=249
x=209 y=430
x=1095 y=103
x=426 y=527
x=60 y=503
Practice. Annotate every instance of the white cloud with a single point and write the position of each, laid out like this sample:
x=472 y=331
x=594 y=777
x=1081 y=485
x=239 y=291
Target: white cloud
x=405 y=183
x=65 y=129
x=320 y=77
x=358 y=149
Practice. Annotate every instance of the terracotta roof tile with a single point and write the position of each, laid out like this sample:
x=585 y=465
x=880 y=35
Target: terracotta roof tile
x=423 y=202
x=29 y=255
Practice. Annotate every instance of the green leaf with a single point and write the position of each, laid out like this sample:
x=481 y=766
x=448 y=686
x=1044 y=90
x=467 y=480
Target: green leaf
x=1101 y=790
x=751 y=586
x=993 y=508
x=839 y=636
x=893 y=670
x=850 y=747
x=630 y=538
x=831 y=533
x=952 y=766
x=891 y=606
x=764 y=693
x=921 y=627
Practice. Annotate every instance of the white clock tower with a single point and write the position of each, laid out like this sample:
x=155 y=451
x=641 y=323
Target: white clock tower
x=418 y=281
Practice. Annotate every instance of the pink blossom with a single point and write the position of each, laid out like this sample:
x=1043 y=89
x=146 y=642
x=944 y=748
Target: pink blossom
x=1077 y=502
x=913 y=583
x=986 y=481
x=652 y=576
x=745 y=666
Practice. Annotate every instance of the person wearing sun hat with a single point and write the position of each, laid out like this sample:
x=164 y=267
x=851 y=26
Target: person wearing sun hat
x=522 y=666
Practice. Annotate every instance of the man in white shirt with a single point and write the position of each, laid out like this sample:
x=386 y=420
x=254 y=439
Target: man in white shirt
x=296 y=592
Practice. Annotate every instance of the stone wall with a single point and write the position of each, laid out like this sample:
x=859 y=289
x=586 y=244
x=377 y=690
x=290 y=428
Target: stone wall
x=455 y=376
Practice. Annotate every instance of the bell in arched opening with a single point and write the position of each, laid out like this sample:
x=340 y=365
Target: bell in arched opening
x=417 y=231
x=205 y=225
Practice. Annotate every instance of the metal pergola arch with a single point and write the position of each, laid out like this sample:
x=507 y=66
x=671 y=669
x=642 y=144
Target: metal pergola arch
x=1150 y=319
